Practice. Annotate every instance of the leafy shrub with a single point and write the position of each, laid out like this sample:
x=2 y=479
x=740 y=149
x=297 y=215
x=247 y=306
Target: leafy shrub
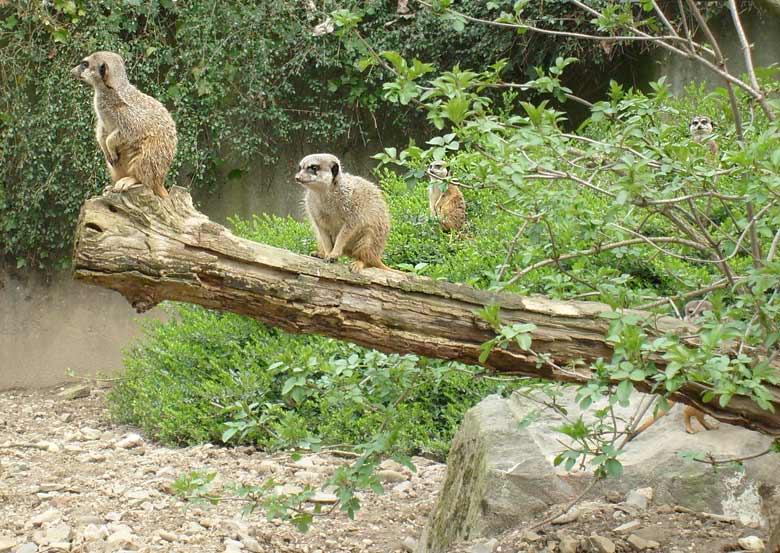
x=209 y=376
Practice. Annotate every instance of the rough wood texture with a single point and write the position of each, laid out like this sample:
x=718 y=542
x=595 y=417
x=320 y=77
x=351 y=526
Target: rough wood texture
x=153 y=249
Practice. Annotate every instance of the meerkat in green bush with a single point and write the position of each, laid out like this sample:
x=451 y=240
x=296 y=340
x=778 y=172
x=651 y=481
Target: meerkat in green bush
x=135 y=132
x=448 y=206
x=349 y=214
x=702 y=128
x=692 y=312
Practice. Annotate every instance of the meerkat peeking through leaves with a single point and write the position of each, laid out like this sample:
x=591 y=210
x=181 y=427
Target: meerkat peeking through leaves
x=702 y=128
x=349 y=214
x=134 y=131
x=448 y=206
x=693 y=312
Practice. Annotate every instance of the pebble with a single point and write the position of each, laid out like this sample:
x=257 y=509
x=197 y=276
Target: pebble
x=74 y=392
x=640 y=544
x=640 y=498
x=409 y=544
x=751 y=543
x=629 y=526
x=58 y=533
x=390 y=476
x=324 y=498
x=167 y=536
x=568 y=545
x=93 y=532
x=602 y=544
x=28 y=547
x=91 y=433
x=484 y=547
x=130 y=441
x=268 y=467
x=403 y=487
x=569 y=516
x=251 y=544
x=6 y=544
x=233 y=546
x=47 y=516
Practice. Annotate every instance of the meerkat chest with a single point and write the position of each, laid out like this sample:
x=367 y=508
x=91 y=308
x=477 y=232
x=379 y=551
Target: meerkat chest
x=331 y=211
x=106 y=112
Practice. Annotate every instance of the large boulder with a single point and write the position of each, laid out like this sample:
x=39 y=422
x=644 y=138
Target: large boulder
x=500 y=473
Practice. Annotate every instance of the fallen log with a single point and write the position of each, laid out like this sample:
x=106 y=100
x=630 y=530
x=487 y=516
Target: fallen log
x=151 y=249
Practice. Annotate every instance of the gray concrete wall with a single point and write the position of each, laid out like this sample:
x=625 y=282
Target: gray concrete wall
x=50 y=323
x=763 y=30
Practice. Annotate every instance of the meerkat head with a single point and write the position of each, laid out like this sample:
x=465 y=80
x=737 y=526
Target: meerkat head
x=695 y=308
x=318 y=172
x=101 y=70
x=700 y=127
x=438 y=169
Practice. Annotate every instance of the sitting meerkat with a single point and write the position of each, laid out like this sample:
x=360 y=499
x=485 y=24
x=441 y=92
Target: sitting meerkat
x=693 y=311
x=134 y=131
x=701 y=128
x=348 y=212
x=448 y=206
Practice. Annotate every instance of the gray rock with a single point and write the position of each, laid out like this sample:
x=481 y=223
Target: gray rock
x=601 y=544
x=28 y=547
x=569 y=516
x=660 y=534
x=640 y=544
x=500 y=473
x=168 y=536
x=496 y=477
x=74 y=392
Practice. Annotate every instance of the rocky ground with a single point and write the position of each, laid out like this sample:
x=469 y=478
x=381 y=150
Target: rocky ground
x=70 y=480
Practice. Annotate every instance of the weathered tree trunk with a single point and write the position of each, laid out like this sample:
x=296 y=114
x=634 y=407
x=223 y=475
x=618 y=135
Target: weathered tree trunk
x=151 y=249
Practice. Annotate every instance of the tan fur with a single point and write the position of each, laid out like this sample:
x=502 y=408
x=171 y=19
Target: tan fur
x=348 y=213
x=134 y=131
x=448 y=206
x=693 y=310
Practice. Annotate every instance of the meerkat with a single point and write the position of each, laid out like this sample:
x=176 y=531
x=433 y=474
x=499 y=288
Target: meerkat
x=135 y=132
x=448 y=206
x=701 y=128
x=348 y=213
x=693 y=311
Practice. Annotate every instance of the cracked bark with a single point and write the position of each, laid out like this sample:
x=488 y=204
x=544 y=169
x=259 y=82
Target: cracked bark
x=151 y=249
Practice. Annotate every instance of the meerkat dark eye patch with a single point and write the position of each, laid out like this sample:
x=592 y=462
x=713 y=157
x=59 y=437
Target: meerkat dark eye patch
x=103 y=70
x=313 y=169
x=335 y=170
x=84 y=64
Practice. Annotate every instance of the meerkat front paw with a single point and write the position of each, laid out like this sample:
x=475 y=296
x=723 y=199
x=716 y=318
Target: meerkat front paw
x=112 y=157
x=356 y=266
x=318 y=253
x=331 y=257
x=124 y=183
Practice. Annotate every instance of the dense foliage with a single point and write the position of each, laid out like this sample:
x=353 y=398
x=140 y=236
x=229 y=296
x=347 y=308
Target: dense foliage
x=240 y=78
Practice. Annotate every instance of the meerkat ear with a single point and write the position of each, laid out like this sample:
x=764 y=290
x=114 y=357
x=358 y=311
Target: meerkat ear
x=335 y=170
x=106 y=74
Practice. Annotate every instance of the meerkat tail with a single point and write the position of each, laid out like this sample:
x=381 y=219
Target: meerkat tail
x=160 y=190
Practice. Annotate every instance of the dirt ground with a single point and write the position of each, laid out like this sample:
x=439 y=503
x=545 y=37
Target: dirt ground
x=88 y=485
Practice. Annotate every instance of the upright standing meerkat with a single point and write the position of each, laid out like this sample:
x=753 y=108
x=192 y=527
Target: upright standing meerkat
x=702 y=128
x=448 y=206
x=693 y=311
x=348 y=212
x=134 y=131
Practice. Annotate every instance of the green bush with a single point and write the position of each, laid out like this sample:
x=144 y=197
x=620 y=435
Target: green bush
x=209 y=376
